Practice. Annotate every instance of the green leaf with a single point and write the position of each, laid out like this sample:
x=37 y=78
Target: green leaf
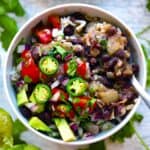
x=10 y=28
x=148 y=5
x=128 y=130
x=6 y=39
x=8 y=24
x=2 y=10
x=137 y=118
x=10 y=3
x=18 y=128
x=98 y=146
x=19 y=11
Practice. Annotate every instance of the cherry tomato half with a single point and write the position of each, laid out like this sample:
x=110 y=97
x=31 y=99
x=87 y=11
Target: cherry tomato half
x=54 y=21
x=29 y=68
x=81 y=69
x=44 y=35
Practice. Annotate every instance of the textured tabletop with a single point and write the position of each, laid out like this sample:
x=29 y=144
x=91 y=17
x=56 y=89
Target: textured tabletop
x=135 y=15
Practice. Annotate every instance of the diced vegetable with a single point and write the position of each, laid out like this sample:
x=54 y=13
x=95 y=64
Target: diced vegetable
x=54 y=21
x=22 y=97
x=37 y=124
x=81 y=69
x=44 y=35
x=40 y=94
x=48 y=65
x=29 y=68
x=109 y=96
x=71 y=67
x=60 y=50
x=64 y=130
x=61 y=95
x=76 y=86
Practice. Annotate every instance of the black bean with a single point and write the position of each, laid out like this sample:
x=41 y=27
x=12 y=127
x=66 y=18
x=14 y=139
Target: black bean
x=105 y=81
x=121 y=54
x=111 y=63
x=93 y=61
x=112 y=31
x=135 y=68
x=77 y=41
x=69 y=30
x=25 y=112
x=77 y=16
x=105 y=57
x=46 y=117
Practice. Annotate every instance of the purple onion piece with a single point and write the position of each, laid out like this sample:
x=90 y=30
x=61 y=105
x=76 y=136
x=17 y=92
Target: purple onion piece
x=87 y=136
x=68 y=57
x=64 y=82
x=20 y=83
x=27 y=46
x=74 y=126
x=96 y=116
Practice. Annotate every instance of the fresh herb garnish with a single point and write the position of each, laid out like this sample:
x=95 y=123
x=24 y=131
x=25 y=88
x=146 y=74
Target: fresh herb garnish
x=148 y=5
x=7 y=23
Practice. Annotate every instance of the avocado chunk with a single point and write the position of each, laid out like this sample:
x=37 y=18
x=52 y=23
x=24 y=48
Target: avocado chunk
x=64 y=130
x=22 y=97
x=37 y=124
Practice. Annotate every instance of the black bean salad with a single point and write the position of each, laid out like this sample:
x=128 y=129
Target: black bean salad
x=72 y=77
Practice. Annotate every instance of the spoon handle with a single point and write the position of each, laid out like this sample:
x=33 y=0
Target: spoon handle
x=141 y=91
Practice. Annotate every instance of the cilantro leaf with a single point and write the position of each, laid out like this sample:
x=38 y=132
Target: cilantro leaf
x=98 y=146
x=10 y=28
x=19 y=11
x=128 y=130
x=148 y=5
x=2 y=10
x=8 y=24
x=10 y=3
x=18 y=128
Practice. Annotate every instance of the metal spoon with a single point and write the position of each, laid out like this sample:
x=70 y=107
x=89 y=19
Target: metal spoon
x=141 y=91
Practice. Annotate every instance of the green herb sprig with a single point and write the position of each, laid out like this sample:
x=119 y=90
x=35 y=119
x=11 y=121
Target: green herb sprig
x=8 y=25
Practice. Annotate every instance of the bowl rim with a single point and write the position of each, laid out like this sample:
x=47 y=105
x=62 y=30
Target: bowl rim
x=20 y=116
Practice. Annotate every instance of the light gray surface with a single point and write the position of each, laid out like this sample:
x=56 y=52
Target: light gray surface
x=132 y=13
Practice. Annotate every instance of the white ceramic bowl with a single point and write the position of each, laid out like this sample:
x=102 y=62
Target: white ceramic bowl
x=65 y=9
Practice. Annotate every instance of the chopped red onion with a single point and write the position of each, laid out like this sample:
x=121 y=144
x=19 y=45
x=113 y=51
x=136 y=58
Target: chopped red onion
x=32 y=106
x=64 y=82
x=68 y=57
x=55 y=97
x=55 y=84
x=20 y=48
x=74 y=126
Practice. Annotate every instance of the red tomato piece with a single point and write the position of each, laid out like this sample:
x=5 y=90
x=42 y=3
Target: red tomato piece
x=65 y=67
x=44 y=35
x=81 y=69
x=54 y=21
x=82 y=102
x=29 y=68
x=63 y=94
